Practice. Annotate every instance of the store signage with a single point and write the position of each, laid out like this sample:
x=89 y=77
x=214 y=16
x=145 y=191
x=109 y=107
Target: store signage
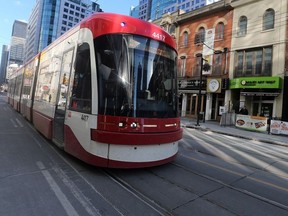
x=256 y=83
x=254 y=123
x=279 y=127
x=214 y=85
x=191 y=84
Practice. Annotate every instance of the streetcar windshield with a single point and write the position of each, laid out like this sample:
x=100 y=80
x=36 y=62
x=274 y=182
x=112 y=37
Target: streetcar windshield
x=136 y=77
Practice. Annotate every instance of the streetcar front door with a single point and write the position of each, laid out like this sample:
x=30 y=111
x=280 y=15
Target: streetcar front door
x=61 y=102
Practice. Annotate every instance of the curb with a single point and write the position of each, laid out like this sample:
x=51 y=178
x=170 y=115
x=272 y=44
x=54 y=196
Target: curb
x=238 y=136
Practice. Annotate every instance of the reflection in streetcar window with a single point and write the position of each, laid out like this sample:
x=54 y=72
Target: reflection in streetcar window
x=136 y=77
x=81 y=92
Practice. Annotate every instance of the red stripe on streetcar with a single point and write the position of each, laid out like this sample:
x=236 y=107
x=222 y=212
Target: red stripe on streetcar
x=135 y=138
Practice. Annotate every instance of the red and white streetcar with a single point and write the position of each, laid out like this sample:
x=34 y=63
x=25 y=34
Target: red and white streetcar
x=105 y=92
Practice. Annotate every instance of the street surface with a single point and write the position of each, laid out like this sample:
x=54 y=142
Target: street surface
x=214 y=174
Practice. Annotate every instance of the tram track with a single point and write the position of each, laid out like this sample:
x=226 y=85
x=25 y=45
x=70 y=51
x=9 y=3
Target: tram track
x=98 y=191
x=230 y=185
x=137 y=194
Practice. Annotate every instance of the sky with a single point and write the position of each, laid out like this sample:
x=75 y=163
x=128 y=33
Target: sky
x=12 y=10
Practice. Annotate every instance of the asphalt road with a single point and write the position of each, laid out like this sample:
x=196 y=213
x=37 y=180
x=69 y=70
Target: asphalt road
x=213 y=174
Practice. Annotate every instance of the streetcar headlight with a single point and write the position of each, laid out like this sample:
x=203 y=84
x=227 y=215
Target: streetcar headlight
x=123 y=24
x=133 y=125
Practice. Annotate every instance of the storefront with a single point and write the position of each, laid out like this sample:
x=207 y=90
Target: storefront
x=188 y=96
x=215 y=98
x=212 y=97
x=258 y=94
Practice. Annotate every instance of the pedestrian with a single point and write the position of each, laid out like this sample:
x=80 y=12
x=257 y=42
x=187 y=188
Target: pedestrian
x=243 y=111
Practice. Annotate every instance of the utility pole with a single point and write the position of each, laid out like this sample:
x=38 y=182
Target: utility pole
x=200 y=88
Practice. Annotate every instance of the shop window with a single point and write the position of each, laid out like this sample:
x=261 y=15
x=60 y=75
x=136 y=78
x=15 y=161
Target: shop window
x=81 y=93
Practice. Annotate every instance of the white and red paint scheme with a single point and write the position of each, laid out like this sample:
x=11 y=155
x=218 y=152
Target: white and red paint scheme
x=105 y=92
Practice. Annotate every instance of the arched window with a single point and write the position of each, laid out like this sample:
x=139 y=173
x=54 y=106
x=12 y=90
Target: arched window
x=268 y=19
x=185 y=39
x=242 y=26
x=200 y=36
x=219 y=31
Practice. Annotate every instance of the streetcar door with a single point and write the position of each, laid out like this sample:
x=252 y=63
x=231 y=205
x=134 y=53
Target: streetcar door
x=61 y=101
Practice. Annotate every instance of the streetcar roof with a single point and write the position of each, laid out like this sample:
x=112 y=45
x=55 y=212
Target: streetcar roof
x=108 y=23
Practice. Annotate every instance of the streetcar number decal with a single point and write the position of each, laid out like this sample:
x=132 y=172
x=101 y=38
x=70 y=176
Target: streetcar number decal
x=158 y=36
x=84 y=117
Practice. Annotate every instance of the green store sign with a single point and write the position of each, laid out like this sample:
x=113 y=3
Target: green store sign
x=256 y=83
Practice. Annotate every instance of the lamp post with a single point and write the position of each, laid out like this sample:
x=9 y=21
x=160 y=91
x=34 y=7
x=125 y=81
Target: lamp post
x=200 y=88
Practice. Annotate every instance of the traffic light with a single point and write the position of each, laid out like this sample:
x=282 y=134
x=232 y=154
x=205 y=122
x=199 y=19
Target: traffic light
x=225 y=83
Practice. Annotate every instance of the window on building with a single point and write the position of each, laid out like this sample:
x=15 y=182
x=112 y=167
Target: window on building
x=197 y=68
x=217 y=64
x=254 y=62
x=182 y=66
x=268 y=19
x=242 y=26
x=81 y=92
x=185 y=39
x=219 y=31
x=200 y=36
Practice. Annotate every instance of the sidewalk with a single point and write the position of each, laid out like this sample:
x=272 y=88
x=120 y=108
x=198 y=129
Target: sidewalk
x=214 y=126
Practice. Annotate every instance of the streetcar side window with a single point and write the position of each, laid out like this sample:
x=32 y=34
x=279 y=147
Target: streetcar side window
x=81 y=92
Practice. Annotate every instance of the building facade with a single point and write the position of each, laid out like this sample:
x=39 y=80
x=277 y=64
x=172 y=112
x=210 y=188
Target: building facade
x=244 y=58
x=144 y=9
x=187 y=5
x=17 y=44
x=157 y=7
x=151 y=10
x=51 y=18
x=4 y=63
x=258 y=65
x=204 y=42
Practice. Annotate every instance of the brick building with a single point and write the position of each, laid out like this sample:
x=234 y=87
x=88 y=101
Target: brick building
x=204 y=36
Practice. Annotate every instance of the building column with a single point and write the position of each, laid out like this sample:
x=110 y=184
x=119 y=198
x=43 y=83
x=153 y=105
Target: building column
x=184 y=105
x=208 y=110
